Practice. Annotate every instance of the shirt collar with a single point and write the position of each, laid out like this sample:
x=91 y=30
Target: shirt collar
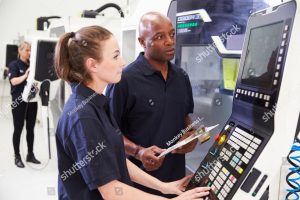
x=146 y=67
x=80 y=89
x=23 y=63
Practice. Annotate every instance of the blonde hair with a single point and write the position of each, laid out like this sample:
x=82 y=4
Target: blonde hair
x=22 y=46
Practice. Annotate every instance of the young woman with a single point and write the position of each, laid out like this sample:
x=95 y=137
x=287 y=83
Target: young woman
x=21 y=111
x=91 y=156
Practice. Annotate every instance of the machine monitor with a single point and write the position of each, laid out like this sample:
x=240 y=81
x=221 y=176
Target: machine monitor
x=260 y=60
x=190 y=23
x=11 y=53
x=41 y=68
x=44 y=61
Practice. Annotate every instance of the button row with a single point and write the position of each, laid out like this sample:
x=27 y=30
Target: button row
x=222 y=185
x=248 y=142
x=223 y=177
x=233 y=145
x=280 y=57
x=256 y=94
x=238 y=142
x=244 y=133
x=242 y=138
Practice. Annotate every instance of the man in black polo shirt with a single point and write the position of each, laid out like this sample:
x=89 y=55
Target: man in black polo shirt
x=152 y=102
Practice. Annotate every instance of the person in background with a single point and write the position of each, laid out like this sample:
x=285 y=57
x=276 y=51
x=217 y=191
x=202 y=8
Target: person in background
x=22 y=111
x=152 y=103
x=91 y=158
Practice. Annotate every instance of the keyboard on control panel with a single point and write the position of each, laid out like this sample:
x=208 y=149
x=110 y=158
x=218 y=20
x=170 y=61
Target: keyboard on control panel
x=235 y=156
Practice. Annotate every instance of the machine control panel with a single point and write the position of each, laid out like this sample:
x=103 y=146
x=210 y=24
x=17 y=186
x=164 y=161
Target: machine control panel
x=239 y=165
x=227 y=160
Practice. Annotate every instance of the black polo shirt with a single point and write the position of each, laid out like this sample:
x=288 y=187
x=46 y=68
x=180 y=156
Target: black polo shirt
x=151 y=111
x=90 y=147
x=17 y=68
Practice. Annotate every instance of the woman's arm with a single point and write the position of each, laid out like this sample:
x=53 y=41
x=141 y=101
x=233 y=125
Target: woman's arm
x=139 y=176
x=20 y=79
x=116 y=190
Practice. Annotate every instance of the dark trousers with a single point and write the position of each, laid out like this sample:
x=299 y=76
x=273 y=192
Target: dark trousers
x=24 y=111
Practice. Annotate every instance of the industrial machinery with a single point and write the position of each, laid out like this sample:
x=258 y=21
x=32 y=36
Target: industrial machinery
x=248 y=152
x=42 y=82
x=209 y=39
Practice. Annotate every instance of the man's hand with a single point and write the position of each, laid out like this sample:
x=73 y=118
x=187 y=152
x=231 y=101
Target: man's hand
x=189 y=146
x=148 y=156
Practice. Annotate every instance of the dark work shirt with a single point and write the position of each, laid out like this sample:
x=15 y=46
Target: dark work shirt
x=90 y=148
x=151 y=110
x=17 y=68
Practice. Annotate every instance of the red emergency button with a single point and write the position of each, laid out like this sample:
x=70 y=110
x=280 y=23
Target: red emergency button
x=217 y=137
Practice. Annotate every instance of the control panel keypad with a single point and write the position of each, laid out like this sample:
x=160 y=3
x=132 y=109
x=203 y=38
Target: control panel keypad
x=233 y=160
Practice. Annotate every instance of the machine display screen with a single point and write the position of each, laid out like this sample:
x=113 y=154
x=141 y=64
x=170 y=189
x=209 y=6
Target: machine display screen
x=188 y=23
x=261 y=55
x=44 y=61
x=11 y=53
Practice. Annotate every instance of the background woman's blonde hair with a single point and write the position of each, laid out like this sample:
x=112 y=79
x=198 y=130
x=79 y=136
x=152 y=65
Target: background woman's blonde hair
x=23 y=45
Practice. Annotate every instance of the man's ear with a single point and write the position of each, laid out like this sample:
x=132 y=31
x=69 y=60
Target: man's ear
x=90 y=64
x=142 y=42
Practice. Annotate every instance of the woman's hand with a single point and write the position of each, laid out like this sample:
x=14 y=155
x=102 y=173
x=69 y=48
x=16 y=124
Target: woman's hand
x=176 y=187
x=194 y=194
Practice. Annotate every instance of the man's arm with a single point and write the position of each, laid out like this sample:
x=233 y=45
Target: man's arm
x=148 y=156
x=120 y=105
x=131 y=148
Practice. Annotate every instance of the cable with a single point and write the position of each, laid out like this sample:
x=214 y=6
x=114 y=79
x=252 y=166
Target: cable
x=42 y=20
x=113 y=5
x=94 y=13
x=293 y=177
x=2 y=93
